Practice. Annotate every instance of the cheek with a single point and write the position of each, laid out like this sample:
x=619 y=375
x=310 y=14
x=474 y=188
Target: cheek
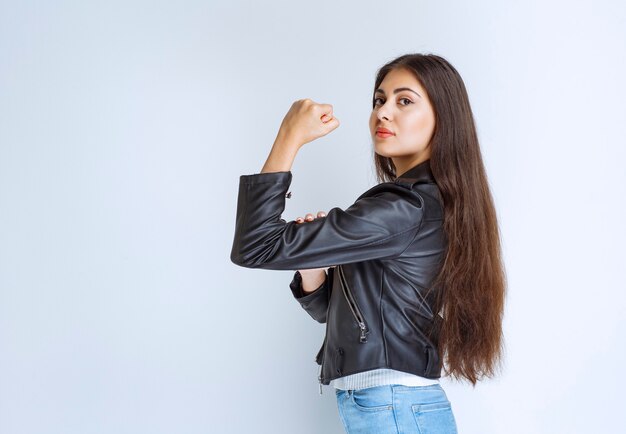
x=420 y=126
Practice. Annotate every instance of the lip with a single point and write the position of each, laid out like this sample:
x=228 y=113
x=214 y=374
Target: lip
x=383 y=135
x=384 y=131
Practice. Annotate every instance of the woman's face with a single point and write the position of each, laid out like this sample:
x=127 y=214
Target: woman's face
x=402 y=107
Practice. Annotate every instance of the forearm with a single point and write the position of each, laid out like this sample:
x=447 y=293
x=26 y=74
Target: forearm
x=312 y=279
x=315 y=300
x=282 y=155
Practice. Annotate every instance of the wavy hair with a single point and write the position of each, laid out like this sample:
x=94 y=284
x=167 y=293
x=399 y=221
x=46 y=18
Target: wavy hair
x=471 y=284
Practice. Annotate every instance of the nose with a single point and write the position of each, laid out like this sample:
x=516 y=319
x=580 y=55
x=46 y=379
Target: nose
x=382 y=113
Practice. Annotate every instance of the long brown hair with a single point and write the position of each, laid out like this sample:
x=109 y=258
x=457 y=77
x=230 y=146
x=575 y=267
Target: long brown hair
x=471 y=284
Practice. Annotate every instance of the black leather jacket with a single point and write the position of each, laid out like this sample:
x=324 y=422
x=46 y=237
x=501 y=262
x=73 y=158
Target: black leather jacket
x=384 y=250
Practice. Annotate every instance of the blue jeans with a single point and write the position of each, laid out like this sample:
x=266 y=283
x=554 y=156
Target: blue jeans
x=396 y=409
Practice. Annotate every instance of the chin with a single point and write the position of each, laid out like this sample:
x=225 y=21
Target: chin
x=380 y=150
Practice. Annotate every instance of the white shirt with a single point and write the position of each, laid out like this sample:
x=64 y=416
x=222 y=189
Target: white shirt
x=380 y=377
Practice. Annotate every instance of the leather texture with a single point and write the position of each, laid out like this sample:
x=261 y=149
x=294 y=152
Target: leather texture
x=384 y=251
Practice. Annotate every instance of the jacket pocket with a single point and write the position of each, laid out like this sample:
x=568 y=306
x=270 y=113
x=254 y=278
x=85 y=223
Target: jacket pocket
x=354 y=308
x=429 y=360
x=338 y=361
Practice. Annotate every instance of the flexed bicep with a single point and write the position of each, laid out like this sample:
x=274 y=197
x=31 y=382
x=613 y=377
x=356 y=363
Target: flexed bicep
x=379 y=224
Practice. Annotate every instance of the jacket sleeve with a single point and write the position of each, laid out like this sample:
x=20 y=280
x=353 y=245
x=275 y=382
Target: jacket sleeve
x=380 y=224
x=316 y=302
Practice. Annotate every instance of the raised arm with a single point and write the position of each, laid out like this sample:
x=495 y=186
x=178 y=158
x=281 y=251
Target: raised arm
x=380 y=224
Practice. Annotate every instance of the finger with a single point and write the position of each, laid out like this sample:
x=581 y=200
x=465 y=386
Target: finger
x=326 y=112
x=321 y=214
x=326 y=109
x=299 y=220
x=309 y=217
x=332 y=124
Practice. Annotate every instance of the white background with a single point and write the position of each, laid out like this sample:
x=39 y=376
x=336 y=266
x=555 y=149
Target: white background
x=124 y=127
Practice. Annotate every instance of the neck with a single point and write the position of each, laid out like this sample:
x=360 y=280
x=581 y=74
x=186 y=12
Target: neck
x=403 y=164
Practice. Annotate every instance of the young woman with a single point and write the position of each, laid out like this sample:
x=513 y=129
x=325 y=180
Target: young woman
x=407 y=276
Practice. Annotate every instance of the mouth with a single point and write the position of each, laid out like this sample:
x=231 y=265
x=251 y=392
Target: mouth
x=384 y=133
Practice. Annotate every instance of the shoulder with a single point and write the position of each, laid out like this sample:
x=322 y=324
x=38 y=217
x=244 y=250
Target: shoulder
x=393 y=191
x=407 y=195
x=391 y=202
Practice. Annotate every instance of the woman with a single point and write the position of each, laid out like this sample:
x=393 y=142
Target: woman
x=408 y=275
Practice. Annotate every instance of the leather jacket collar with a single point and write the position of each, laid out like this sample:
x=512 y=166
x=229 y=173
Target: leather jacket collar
x=420 y=173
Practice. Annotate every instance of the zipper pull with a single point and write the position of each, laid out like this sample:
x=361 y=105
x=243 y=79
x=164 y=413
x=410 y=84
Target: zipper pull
x=319 y=377
x=363 y=338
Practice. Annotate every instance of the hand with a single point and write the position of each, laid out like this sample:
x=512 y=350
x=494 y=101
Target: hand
x=309 y=218
x=306 y=121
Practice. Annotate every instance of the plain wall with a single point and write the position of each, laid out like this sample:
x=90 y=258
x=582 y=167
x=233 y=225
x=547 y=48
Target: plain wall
x=124 y=127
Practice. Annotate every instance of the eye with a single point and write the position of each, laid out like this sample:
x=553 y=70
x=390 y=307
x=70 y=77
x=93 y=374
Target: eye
x=401 y=99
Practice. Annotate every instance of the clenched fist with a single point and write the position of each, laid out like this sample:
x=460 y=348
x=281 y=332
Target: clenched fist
x=307 y=120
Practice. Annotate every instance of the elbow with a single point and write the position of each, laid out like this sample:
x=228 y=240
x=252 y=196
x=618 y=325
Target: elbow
x=245 y=258
x=239 y=255
x=237 y=258
x=257 y=254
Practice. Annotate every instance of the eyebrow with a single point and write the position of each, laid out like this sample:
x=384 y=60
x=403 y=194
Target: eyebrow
x=400 y=89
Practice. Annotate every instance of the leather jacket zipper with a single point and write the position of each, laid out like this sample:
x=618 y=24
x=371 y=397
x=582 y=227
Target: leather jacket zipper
x=356 y=312
x=319 y=378
x=320 y=359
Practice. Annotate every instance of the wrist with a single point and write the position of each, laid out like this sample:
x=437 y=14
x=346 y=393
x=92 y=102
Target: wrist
x=287 y=142
x=312 y=279
x=281 y=156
